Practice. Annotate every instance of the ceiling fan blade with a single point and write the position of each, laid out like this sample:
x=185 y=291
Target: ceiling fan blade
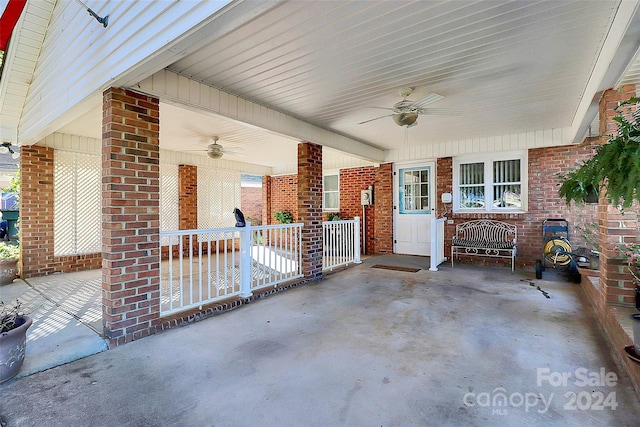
x=429 y=99
x=382 y=108
x=440 y=111
x=377 y=118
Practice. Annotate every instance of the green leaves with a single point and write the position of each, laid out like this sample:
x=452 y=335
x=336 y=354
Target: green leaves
x=615 y=166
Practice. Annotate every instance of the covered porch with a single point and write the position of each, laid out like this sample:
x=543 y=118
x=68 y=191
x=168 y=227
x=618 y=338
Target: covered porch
x=363 y=345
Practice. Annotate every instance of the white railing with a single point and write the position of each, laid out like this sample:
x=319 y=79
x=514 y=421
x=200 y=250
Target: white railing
x=437 y=244
x=276 y=254
x=341 y=243
x=204 y=266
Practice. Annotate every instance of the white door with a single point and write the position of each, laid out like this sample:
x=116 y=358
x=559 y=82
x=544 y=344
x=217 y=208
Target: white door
x=413 y=208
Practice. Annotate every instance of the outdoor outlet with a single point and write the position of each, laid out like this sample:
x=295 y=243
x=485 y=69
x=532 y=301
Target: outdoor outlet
x=449 y=221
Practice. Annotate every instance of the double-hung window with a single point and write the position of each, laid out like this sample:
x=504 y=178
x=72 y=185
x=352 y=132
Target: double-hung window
x=492 y=183
x=331 y=192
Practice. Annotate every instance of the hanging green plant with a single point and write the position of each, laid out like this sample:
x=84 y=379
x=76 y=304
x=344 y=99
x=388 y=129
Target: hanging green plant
x=615 y=167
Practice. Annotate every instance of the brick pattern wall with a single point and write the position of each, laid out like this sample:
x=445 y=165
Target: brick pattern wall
x=36 y=219
x=130 y=215
x=309 y=198
x=616 y=283
x=187 y=197
x=284 y=196
x=383 y=202
x=352 y=181
x=545 y=166
x=251 y=204
x=266 y=201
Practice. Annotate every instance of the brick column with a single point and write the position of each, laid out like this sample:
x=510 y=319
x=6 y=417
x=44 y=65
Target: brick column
x=187 y=197
x=383 y=202
x=310 y=207
x=130 y=215
x=616 y=283
x=266 y=200
x=36 y=211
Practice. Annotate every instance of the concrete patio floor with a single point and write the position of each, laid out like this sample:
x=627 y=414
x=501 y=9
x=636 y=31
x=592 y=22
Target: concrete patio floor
x=363 y=347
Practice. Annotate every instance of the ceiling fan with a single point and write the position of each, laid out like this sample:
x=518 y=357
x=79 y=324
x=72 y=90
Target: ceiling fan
x=216 y=151
x=406 y=112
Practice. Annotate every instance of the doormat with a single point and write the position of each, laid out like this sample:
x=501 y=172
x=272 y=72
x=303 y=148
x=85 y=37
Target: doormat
x=392 y=267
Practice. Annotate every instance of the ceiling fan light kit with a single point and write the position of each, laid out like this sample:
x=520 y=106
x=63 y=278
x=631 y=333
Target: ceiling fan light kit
x=214 y=154
x=405 y=119
x=406 y=112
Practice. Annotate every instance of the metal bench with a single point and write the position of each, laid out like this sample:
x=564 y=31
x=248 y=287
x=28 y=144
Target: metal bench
x=484 y=237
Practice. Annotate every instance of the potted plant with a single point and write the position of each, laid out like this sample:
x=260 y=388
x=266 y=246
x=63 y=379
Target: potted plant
x=13 y=337
x=283 y=217
x=9 y=257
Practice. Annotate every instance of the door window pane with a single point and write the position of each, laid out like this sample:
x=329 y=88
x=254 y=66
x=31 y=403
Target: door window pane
x=414 y=189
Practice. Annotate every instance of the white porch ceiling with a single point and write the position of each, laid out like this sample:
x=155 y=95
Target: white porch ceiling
x=509 y=66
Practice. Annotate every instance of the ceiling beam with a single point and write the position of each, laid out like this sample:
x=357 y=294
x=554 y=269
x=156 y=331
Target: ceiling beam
x=180 y=90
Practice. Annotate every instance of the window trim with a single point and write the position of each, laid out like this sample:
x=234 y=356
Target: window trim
x=325 y=174
x=488 y=159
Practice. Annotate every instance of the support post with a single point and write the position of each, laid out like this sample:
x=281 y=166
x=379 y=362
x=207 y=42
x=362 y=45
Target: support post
x=245 y=259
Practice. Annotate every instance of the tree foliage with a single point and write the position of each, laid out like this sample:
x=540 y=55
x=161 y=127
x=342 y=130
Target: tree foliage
x=615 y=167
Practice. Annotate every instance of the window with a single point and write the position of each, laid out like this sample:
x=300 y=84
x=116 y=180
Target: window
x=496 y=184
x=331 y=193
x=414 y=190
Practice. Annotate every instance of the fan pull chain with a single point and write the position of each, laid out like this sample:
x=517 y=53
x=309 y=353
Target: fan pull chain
x=406 y=135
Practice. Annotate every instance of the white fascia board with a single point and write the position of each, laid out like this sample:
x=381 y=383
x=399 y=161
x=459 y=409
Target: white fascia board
x=618 y=50
x=133 y=46
x=180 y=90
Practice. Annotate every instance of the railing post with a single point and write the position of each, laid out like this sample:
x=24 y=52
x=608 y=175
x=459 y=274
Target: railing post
x=434 y=258
x=356 y=240
x=245 y=260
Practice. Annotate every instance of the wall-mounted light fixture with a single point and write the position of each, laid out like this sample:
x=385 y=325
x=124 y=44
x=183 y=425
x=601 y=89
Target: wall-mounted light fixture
x=104 y=21
x=6 y=148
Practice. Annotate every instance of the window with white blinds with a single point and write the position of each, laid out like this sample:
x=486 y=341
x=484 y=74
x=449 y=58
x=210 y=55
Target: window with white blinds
x=331 y=192
x=496 y=184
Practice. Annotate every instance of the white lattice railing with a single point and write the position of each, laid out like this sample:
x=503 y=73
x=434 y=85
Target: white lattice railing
x=204 y=266
x=341 y=243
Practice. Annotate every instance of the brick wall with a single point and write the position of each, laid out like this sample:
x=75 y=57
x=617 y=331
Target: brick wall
x=352 y=181
x=251 y=204
x=616 y=227
x=130 y=215
x=284 y=196
x=187 y=197
x=545 y=166
x=309 y=199
x=36 y=219
x=266 y=200
x=383 y=202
